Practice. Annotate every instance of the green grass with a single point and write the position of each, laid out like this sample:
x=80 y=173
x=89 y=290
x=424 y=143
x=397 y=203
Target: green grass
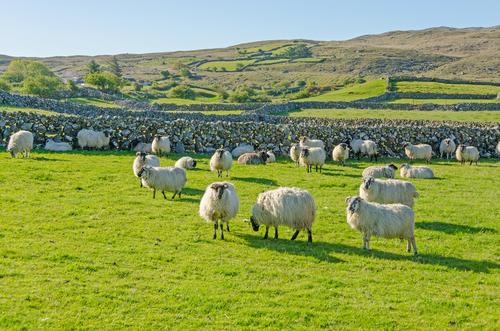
x=270 y=61
x=179 y=101
x=229 y=65
x=352 y=92
x=28 y=110
x=432 y=87
x=308 y=60
x=94 y=102
x=83 y=247
x=212 y=112
x=444 y=101
x=479 y=116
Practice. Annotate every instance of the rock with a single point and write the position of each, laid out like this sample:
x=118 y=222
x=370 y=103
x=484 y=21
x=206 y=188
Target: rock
x=179 y=148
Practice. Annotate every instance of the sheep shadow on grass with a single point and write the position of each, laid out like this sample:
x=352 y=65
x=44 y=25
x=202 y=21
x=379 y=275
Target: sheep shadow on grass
x=262 y=181
x=43 y=158
x=450 y=228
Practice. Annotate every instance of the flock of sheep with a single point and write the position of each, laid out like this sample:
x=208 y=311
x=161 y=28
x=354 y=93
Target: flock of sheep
x=383 y=208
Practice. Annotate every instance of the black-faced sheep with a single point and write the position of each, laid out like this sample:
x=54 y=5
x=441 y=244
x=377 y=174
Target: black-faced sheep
x=142 y=159
x=220 y=161
x=313 y=156
x=340 y=153
x=20 y=142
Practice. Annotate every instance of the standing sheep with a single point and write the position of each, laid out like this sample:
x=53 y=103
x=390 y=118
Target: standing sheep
x=385 y=221
x=142 y=159
x=447 y=147
x=388 y=191
x=292 y=207
x=170 y=179
x=386 y=171
x=253 y=158
x=420 y=151
x=219 y=204
x=186 y=162
x=271 y=158
x=306 y=142
x=160 y=145
x=93 y=139
x=220 y=161
x=356 y=147
x=369 y=148
x=467 y=154
x=408 y=171
x=313 y=156
x=295 y=153
x=340 y=153
x=20 y=142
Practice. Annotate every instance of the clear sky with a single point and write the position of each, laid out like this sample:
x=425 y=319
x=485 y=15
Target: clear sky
x=69 y=27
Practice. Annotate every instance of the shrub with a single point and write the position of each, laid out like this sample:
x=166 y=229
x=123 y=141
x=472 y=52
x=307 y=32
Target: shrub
x=104 y=81
x=4 y=85
x=182 y=92
x=297 y=51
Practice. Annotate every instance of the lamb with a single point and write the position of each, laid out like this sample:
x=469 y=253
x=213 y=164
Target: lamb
x=385 y=221
x=408 y=171
x=271 y=158
x=467 y=154
x=170 y=179
x=312 y=156
x=54 y=146
x=386 y=171
x=369 y=148
x=219 y=204
x=447 y=147
x=160 y=145
x=420 y=151
x=292 y=207
x=295 y=153
x=20 y=142
x=388 y=191
x=221 y=160
x=242 y=149
x=93 y=139
x=340 y=153
x=142 y=159
x=356 y=147
x=186 y=162
x=143 y=147
x=253 y=158
x=306 y=142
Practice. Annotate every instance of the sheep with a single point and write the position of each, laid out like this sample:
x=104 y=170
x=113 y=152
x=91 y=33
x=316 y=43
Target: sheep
x=312 y=156
x=306 y=142
x=292 y=207
x=93 y=139
x=467 y=154
x=386 y=171
x=54 y=146
x=170 y=179
x=186 y=162
x=160 y=145
x=221 y=160
x=219 y=204
x=420 y=151
x=241 y=149
x=340 y=153
x=20 y=142
x=447 y=147
x=253 y=158
x=295 y=153
x=356 y=147
x=142 y=159
x=388 y=191
x=498 y=149
x=385 y=221
x=271 y=158
x=143 y=147
x=408 y=171
x=369 y=148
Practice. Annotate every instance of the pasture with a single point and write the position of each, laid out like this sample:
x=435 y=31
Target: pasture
x=433 y=87
x=353 y=92
x=82 y=246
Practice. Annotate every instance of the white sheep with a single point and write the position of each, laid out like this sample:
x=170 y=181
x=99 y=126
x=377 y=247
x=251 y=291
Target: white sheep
x=186 y=162
x=340 y=153
x=312 y=156
x=220 y=161
x=93 y=139
x=142 y=159
x=271 y=158
x=420 y=151
x=306 y=142
x=498 y=149
x=242 y=149
x=388 y=191
x=409 y=171
x=295 y=153
x=467 y=154
x=54 y=146
x=369 y=148
x=143 y=147
x=447 y=147
x=20 y=142
x=160 y=145
x=386 y=171
x=253 y=158
x=385 y=221
x=356 y=147
x=170 y=179
x=292 y=207
x=219 y=204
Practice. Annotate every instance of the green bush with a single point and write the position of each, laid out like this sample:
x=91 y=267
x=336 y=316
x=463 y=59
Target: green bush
x=4 y=85
x=104 y=81
x=182 y=92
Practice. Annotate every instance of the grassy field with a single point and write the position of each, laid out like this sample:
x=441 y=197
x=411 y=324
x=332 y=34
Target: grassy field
x=438 y=115
x=82 y=246
x=179 y=101
x=353 y=92
x=432 y=87
x=212 y=112
x=94 y=102
x=28 y=110
x=443 y=101
x=228 y=65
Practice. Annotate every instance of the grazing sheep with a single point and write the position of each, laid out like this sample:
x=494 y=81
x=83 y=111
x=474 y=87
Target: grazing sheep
x=467 y=154
x=386 y=171
x=271 y=158
x=447 y=147
x=408 y=171
x=385 y=221
x=142 y=159
x=54 y=146
x=295 y=153
x=93 y=139
x=369 y=148
x=253 y=158
x=242 y=149
x=221 y=160
x=388 y=191
x=143 y=147
x=219 y=204
x=160 y=145
x=20 y=142
x=420 y=151
x=306 y=142
x=292 y=207
x=312 y=156
x=170 y=179
x=356 y=147
x=186 y=162
x=340 y=153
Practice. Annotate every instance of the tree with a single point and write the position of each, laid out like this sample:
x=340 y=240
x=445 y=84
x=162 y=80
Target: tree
x=165 y=74
x=93 y=67
x=297 y=51
x=44 y=86
x=182 y=92
x=104 y=81
x=114 y=66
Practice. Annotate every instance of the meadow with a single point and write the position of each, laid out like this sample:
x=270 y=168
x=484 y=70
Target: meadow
x=82 y=246
x=353 y=92
x=433 y=87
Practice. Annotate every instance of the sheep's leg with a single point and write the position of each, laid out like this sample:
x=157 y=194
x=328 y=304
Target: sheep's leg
x=179 y=193
x=164 y=196
x=309 y=236
x=316 y=168
x=227 y=227
x=227 y=173
x=275 y=232
x=173 y=196
x=215 y=231
x=470 y=163
x=295 y=234
x=366 y=242
x=320 y=169
x=140 y=181
x=154 y=193
x=222 y=231
x=414 y=244
x=267 y=232
x=408 y=246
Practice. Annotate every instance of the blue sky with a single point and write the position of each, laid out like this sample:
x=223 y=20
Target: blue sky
x=55 y=27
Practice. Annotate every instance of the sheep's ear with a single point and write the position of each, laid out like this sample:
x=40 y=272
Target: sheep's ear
x=226 y=186
x=213 y=187
x=347 y=199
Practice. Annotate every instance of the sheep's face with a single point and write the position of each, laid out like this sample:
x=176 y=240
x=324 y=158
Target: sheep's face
x=461 y=147
x=255 y=225
x=264 y=156
x=143 y=172
x=194 y=163
x=303 y=139
x=219 y=189
x=157 y=137
x=392 y=166
x=405 y=144
x=106 y=134
x=220 y=152
x=447 y=141
x=305 y=152
x=367 y=182
x=142 y=155
x=353 y=204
